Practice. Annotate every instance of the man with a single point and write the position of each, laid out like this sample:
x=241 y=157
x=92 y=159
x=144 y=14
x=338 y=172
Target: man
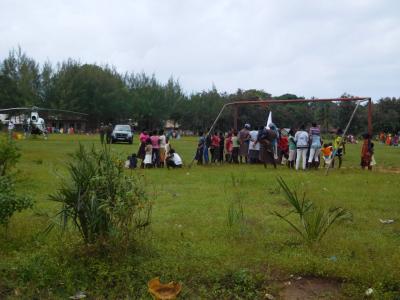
x=102 y=132
x=173 y=160
x=254 y=147
x=301 y=140
x=108 y=131
x=244 y=138
x=266 y=138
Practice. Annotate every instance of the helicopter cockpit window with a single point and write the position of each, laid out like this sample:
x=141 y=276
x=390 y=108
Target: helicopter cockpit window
x=33 y=118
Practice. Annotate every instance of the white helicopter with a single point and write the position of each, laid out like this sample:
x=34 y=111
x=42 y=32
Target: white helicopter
x=32 y=122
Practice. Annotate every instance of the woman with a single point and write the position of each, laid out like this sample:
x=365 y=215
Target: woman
x=254 y=147
x=292 y=149
x=141 y=152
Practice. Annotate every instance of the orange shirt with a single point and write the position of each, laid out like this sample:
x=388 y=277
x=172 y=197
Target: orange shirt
x=326 y=151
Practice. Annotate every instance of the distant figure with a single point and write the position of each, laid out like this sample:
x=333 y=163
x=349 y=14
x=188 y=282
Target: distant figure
x=143 y=136
x=327 y=151
x=11 y=127
x=174 y=160
x=109 y=130
x=163 y=140
x=395 y=140
x=254 y=147
x=339 y=148
x=214 y=149
x=235 y=147
x=221 y=147
x=367 y=152
x=155 y=142
x=102 y=133
x=301 y=139
x=148 y=159
x=228 y=147
x=292 y=149
x=315 y=146
x=244 y=139
x=133 y=161
x=200 y=148
x=266 y=138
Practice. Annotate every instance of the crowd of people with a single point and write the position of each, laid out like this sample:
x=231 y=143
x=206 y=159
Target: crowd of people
x=298 y=149
x=389 y=139
x=155 y=151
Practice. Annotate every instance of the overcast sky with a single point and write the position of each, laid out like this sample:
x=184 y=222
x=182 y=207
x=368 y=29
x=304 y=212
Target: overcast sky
x=309 y=48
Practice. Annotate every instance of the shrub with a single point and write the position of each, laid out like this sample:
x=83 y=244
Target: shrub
x=9 y=201
x=9 y=155
x=99 y=198
x=314 y=221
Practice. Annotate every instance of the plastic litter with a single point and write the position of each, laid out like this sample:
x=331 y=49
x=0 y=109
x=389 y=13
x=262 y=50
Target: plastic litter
x=388 y=221
x=78 y=295
x=369 y=292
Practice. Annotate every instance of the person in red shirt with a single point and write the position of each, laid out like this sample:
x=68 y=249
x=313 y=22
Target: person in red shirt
x=214 y=149
x=283 y=146
x=228 y=147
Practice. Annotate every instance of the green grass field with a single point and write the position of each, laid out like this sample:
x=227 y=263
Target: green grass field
x=190 y=241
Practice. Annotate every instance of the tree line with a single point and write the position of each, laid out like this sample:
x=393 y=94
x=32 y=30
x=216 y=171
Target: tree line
x=107 y=95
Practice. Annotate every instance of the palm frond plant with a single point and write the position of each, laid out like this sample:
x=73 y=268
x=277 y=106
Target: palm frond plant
x=314 y=222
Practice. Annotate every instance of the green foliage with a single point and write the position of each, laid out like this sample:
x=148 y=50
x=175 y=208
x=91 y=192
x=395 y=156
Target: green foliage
x=10 y=202
x=9 y=155
x=314 y=221
x=100 y=199
x=108 y=96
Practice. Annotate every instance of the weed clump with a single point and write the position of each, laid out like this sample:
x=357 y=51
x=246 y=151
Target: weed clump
x=314 y=221
x=100 y=199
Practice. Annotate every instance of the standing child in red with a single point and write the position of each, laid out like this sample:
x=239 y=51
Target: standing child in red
x=214 y=147
x=228 y=147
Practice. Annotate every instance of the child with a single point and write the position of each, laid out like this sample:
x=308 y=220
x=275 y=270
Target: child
x=173 y=160
x=148 y=149
x=327 y=150
x=133 y=161
x=235 y=147
x=338 y=145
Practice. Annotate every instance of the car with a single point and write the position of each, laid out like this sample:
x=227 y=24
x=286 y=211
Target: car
x=122 y=133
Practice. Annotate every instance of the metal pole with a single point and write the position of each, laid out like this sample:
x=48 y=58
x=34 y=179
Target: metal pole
x=235 y=117
x=370 y=117
x=343 y=135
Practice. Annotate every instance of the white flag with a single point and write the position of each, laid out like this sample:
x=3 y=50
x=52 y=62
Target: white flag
x=269 y=121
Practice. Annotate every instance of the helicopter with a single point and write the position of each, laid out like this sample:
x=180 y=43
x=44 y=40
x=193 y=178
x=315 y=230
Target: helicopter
x=32 y=123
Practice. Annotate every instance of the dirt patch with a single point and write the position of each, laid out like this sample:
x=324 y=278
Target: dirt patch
x=310 y=289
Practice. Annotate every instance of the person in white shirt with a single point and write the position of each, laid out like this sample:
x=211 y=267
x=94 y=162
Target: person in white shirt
x=174 y=160
x=301 y=139
x=254 y=147
x=163 y=142
x=11 y=127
